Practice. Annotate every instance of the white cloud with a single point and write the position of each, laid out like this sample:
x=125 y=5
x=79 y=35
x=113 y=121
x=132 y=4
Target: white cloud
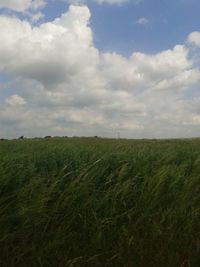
x=142 y=21
x=36 y=16
x=15 y=100
x=64 y=85
x=22 y=5
x=194 y=38
x=30 y=8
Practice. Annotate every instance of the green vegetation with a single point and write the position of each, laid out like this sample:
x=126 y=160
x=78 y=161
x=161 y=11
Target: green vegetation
x=96 y=202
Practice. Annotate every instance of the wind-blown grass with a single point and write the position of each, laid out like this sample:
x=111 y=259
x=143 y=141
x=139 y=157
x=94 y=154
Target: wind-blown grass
x=96 y=202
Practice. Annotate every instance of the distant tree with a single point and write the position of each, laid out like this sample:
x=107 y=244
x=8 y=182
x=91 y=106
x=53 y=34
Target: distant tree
x=47 y=137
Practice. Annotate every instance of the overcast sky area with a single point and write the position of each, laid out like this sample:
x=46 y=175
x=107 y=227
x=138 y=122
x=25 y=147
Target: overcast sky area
x=98 y=67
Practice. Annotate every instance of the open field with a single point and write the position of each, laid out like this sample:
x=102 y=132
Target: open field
x=99 y=202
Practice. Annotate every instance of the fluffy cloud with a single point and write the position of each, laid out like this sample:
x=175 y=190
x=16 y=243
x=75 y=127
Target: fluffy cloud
x=194 y=38
x=63 y=85
x=50 y=53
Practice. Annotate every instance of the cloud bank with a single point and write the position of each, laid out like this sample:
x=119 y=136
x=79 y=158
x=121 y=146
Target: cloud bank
x=61 y=84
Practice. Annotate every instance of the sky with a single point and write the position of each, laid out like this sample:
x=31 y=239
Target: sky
x=100 y=67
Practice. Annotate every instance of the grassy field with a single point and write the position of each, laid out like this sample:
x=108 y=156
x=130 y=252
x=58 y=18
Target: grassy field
x=96 y=202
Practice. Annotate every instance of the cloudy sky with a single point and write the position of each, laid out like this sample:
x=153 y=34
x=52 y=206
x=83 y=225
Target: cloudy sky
x=98 y=67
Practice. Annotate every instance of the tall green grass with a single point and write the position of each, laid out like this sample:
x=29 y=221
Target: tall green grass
x=96 y=202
